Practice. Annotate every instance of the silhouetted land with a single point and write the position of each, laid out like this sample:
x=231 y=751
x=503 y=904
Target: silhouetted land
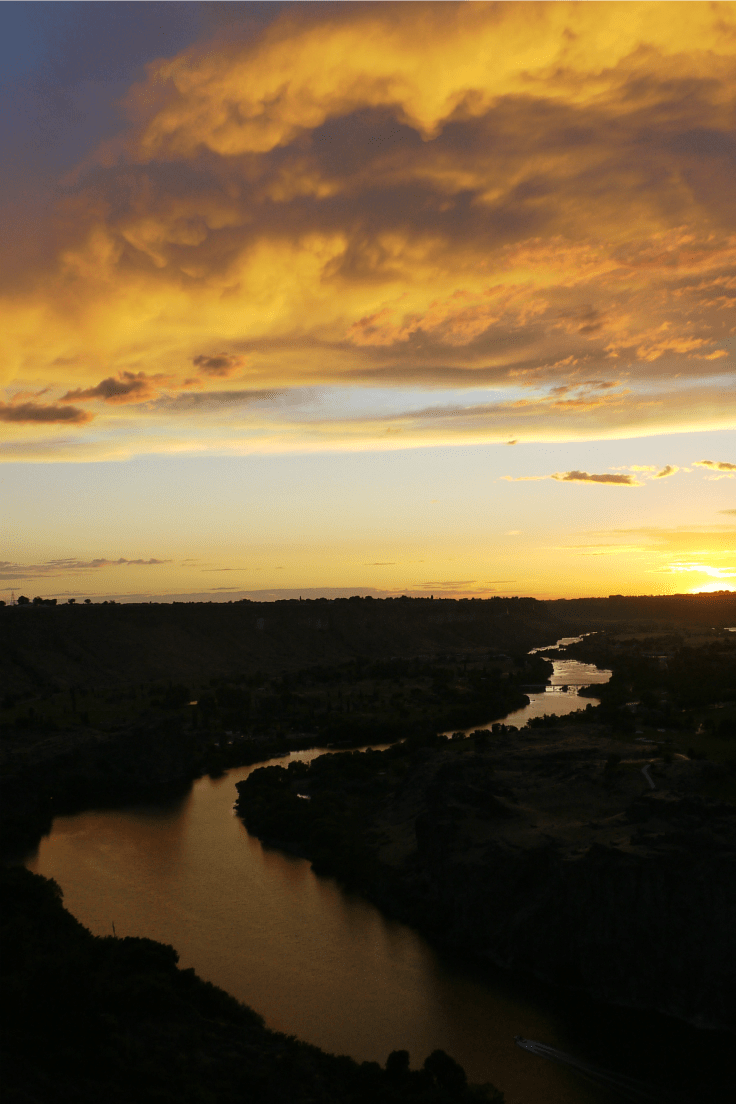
x=109 y=645
x=96 y=701
x=64 y=751
x=88 y=1019
x=545 y=851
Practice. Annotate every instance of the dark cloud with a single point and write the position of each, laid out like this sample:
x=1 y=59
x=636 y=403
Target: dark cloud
x=670 y=469
x=129 y=388
x=35 y=412
x=221 y=365
x=585 y=477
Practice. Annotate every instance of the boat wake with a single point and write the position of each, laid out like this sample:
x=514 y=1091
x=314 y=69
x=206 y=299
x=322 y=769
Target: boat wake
x=627 y=1088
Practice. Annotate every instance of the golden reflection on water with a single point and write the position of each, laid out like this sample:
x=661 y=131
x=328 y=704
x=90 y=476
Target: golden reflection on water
x=315 y=961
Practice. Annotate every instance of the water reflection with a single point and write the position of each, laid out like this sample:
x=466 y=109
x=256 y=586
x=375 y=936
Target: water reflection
x=562 y=694
x=315 y=961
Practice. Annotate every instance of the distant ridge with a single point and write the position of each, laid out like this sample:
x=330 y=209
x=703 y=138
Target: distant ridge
x=111 y=644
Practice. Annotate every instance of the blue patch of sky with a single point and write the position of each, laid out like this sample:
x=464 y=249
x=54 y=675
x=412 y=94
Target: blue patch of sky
x=382 y=402
x=67 y=65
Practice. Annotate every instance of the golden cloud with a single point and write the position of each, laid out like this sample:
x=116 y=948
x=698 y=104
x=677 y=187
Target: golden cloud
x=440 y=195
x=722 y=467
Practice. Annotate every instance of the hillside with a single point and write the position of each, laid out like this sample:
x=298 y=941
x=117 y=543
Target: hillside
x=109 y=645
x=48 y=647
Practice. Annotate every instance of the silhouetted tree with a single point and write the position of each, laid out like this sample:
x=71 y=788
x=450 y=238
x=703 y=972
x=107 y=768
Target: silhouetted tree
x=445 y=1071
x=397 y=1064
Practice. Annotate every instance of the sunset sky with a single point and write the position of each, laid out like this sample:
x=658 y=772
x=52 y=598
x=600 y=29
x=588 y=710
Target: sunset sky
x=378 y=298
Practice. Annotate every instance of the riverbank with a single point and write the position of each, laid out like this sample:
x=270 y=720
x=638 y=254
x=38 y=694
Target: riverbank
x=154 y=741
x=545 y=851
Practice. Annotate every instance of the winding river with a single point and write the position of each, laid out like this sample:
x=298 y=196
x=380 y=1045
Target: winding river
x=315 y=961
x=561 y=694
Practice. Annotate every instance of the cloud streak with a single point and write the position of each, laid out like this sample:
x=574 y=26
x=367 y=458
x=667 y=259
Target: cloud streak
x=56 y=568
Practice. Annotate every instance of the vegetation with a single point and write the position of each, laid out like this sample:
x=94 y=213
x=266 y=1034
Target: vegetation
x=385 y=699
x=65 y=749
x=675 y=691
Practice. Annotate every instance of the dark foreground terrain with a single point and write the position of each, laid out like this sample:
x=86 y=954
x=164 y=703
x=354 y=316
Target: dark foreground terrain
x=547 y=851
x=88 y=1019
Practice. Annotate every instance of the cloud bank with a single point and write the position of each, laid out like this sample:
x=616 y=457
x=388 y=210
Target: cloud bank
x=534 y=199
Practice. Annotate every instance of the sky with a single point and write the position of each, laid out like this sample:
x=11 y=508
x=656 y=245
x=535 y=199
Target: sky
x=367 y=298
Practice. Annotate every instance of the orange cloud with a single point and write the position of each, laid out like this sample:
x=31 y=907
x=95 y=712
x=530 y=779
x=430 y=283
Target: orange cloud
x=457 y=195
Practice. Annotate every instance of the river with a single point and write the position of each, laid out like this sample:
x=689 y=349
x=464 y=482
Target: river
x=313 y=960
x=561 y=694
